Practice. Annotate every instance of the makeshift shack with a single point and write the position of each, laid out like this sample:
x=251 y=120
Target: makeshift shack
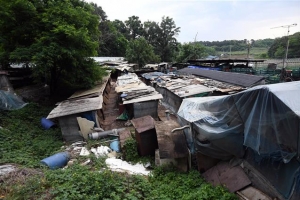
x=136 y=97
x=85 y=104
x=175 y=90
x=259 y=125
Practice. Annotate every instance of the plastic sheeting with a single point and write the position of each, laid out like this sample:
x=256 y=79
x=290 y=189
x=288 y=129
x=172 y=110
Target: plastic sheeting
x=153 y=75
x=265 y=117
x=10 y=101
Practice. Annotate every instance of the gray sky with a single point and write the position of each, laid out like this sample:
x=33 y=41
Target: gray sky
x=213 y=20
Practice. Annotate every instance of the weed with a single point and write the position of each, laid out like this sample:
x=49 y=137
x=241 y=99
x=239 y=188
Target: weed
x=24 y=142
x=131 y=153
x=22 y=138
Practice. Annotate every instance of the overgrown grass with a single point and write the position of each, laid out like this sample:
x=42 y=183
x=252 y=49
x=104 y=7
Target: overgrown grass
x=80 y=182
x=24 y=142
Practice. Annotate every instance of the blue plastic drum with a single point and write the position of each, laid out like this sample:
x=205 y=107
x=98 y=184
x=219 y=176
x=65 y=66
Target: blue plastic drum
x=57 y=160
x=46 y=123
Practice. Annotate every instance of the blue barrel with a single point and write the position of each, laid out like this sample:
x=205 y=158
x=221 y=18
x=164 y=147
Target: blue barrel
x=57 y=160
x=46 y=123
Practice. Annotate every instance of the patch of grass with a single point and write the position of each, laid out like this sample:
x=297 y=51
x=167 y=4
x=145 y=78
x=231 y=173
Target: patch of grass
x=79 y=182
x=23 y=140
x=131 y=155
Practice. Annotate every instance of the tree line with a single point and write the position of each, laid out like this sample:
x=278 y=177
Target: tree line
x=58 y=37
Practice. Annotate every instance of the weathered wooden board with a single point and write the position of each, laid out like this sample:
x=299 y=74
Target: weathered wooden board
x=123 y=136
x=171 y=145
x=193 y=90
x=76 y=106
x=146 y=98
x=233 y=178
x=93 y=92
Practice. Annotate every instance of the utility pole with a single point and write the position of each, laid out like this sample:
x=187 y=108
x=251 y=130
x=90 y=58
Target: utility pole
x=287 y=42
x=249 y=43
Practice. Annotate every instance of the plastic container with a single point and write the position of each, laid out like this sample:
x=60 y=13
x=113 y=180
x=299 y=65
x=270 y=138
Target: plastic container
x=46 y=123
x=57 y=160
x=115 y=146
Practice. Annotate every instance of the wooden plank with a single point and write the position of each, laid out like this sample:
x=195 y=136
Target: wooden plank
x=171 y=145
x=131 y=87
x=146 y=98
x=193 y=90
x=123 y=136
x=233 y=178
x=76 y=106
x=253 y=193
x=205 y=162
x=93 y=92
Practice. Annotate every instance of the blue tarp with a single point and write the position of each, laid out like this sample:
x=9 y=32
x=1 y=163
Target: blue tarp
x=204 y=67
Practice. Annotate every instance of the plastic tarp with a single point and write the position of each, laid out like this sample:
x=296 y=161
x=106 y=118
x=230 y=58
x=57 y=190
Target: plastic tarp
x=10 y=101
x=153 y=75
x=266 y=117
x=204 y=67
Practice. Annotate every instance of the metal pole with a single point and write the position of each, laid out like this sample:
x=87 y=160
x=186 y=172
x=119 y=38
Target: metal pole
x=287 y=43
x=287 y=49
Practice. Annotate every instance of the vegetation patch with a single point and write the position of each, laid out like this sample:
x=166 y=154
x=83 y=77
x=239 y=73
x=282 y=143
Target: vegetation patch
x=25 y=142
x=22 y=138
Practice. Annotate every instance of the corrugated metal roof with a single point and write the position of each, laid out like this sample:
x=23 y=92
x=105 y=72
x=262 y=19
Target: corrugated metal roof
x=136 y=90
x=244 y=80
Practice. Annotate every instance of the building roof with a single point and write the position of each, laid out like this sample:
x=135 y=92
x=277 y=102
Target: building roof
x=244 y=80
x=70 y=107
x=134 y=90
x=81 y=101
x=225 y=61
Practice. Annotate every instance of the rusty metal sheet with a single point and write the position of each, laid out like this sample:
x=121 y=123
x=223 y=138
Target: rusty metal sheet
x=171 y=145
x=143 y=123
x=233 y=178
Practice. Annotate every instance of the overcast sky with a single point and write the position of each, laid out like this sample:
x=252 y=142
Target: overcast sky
x=213 y=20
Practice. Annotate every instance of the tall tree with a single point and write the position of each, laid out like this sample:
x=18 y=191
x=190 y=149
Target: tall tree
x=99 y=12
x=152 y=32
x=111 y=41
x=61 y=35
x=134 y=26
x=18 y=30
x=166 y=42
x=121 y=27
x=139 y=51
